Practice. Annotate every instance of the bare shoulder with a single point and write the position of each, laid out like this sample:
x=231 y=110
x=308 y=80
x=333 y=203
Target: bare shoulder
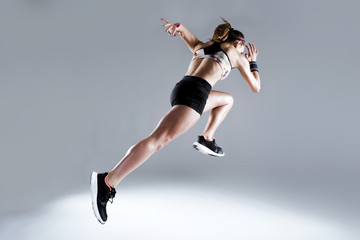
x=237 y=59
x=243 y=62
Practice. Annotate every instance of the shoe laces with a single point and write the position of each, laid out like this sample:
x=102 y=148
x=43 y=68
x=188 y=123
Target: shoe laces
x=111 y=195
x=217 y=147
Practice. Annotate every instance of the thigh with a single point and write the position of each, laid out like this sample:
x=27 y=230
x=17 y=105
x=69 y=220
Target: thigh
x=217 y=99
x=177 y=121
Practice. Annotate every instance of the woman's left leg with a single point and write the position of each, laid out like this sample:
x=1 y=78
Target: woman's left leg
x=176 y=122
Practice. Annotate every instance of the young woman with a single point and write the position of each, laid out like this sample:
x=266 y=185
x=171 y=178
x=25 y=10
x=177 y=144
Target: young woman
x=212 y=62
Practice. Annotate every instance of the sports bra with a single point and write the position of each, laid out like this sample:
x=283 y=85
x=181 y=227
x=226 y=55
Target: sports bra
x=215 y=52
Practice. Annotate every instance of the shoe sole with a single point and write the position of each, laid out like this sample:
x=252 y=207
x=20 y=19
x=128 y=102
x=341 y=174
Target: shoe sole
x=206 y=150
x=94 y=191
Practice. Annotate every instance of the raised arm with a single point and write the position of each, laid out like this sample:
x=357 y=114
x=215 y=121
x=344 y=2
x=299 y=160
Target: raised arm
x=178 y=29
x=252 y=76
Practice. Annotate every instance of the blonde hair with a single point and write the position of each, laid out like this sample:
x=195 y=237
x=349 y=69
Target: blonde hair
x=225 y=32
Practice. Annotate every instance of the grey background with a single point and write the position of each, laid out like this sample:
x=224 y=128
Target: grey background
x=81 y=81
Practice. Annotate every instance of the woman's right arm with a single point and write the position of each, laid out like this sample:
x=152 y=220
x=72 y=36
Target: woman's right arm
x=252 y=78
x=189 y=38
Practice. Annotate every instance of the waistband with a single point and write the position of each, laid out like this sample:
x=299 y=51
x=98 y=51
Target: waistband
x=200 y=80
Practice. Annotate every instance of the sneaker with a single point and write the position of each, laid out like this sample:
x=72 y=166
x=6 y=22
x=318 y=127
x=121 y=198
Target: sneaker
x=208 y=147
x=100 y=193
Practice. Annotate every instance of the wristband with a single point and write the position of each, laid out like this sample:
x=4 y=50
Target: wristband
x=254 y=66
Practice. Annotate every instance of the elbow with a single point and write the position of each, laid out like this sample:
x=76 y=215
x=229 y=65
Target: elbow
x=256 y=86
x=256 y=89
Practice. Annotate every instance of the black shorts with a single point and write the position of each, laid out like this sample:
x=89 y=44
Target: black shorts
x=192 y=92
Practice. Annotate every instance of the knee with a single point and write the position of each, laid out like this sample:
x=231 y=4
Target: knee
x=229 y=100
x=158 y=143
x=163 y=142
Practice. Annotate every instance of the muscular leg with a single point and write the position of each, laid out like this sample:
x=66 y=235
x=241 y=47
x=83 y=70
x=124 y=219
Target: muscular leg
x=220 y=103
x=176 y=122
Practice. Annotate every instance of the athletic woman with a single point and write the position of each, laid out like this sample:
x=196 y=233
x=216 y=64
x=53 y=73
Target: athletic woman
x=211 y=62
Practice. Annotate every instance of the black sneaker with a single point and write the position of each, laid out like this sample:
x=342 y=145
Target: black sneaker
x=101 y=194
x=208 y=147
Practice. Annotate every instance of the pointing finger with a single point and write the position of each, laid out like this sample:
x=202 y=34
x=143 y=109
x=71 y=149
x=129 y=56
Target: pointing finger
x=163 y=19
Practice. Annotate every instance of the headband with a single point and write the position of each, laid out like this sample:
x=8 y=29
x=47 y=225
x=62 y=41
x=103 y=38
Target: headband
x=232 y=29
x=239 y=38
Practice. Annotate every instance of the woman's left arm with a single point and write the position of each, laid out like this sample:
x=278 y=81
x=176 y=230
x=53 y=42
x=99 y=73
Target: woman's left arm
x=248 y=67
x=178 y=29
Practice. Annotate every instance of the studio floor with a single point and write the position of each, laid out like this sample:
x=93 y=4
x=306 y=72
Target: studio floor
x=171 y=212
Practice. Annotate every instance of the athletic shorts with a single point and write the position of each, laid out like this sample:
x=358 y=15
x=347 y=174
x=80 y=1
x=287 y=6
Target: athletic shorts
x=192 y=92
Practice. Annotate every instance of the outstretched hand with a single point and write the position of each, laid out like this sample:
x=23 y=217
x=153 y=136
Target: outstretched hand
x=172 y=29
x=252 y=52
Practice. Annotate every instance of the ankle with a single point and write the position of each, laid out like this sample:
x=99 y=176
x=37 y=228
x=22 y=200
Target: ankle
x=208 y=137
x=108 y=183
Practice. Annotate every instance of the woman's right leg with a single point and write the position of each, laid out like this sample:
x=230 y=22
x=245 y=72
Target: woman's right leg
x=176 y=122
x=220 y=104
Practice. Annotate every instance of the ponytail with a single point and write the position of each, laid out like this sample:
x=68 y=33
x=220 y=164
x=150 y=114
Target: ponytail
x=224 y=32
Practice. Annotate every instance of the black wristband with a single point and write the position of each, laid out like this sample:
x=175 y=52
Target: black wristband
x=254 y=66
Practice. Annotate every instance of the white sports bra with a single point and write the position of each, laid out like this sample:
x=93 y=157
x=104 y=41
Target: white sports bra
x=215 y=52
